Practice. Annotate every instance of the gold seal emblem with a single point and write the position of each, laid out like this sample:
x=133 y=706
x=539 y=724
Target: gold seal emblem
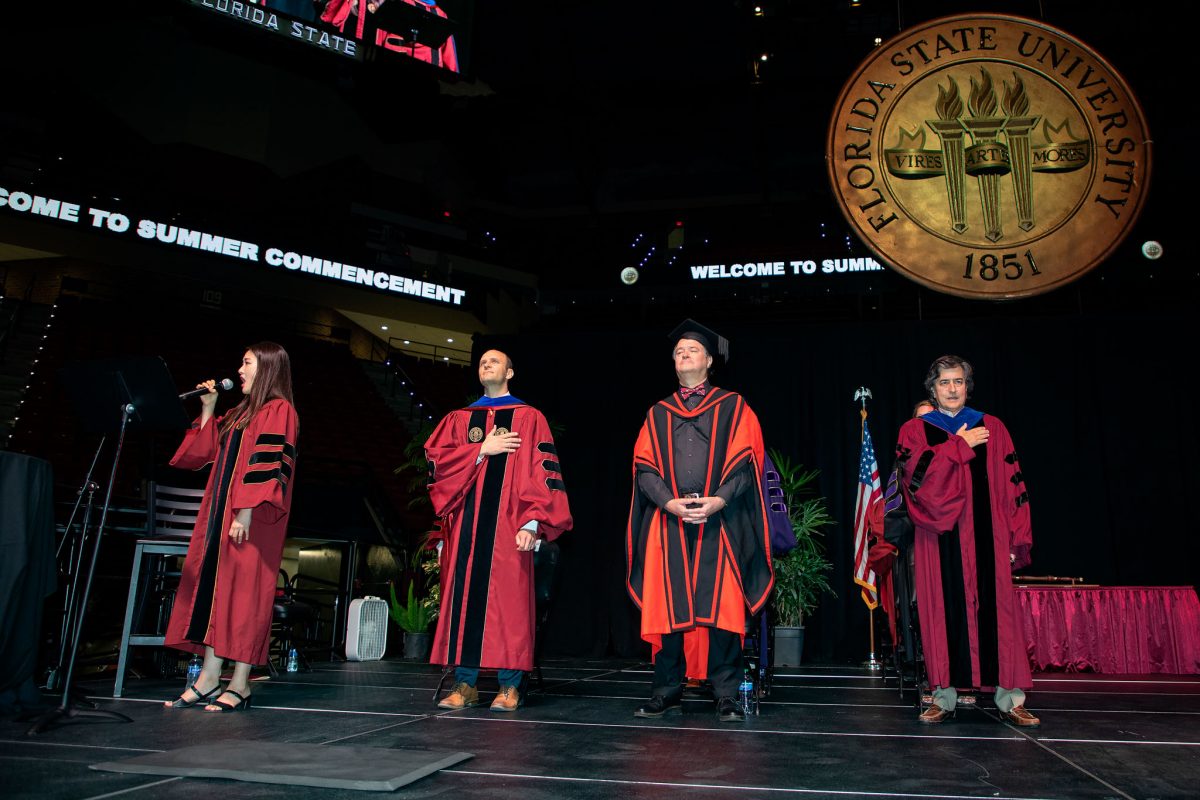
x=500 y=431
x=475 y=434
x=989 y=156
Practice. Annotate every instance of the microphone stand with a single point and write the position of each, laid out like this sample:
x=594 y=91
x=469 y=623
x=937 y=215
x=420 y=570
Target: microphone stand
x=67 y=710
x=74 y=562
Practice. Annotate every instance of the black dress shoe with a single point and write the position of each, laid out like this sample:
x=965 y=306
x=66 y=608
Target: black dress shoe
x=660 y=704
x=728 y=710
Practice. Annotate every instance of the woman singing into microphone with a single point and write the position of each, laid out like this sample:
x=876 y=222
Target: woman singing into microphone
x=225 y=596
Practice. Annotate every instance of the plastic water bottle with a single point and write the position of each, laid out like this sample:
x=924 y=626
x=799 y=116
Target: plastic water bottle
x=293 y=661
x=195 y=664
x=746 y=693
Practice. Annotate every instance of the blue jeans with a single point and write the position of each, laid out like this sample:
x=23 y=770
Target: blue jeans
x=506 y=677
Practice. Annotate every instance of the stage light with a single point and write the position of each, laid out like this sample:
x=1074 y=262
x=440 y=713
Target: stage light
x=629 y=276
x=383 y=327
x=1152 y=250
x=451 y=341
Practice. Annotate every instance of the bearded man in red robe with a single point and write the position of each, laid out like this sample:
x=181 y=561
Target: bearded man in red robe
x=496 y=482
x=967 y=500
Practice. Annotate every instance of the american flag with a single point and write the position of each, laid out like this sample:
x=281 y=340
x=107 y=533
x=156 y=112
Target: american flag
x=868 y=506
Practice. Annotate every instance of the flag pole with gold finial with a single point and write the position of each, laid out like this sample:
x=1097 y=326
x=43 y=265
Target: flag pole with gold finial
x=872 y=663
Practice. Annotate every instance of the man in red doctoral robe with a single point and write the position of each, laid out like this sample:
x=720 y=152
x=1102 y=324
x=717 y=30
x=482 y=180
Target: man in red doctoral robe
x=496 y=480
x=967 y=501
x=698 y=544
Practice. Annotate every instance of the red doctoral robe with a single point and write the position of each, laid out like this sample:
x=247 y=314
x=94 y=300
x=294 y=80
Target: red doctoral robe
x=227 y=591
x=338 y=11
x=970 y=511
x=729 y=569
x=487 y=612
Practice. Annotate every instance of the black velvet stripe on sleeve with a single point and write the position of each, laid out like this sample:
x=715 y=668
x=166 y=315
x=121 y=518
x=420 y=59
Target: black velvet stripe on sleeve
x=919 y=470
x=282 y=473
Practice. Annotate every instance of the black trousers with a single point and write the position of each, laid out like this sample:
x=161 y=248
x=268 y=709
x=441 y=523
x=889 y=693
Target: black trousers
x=724 y=663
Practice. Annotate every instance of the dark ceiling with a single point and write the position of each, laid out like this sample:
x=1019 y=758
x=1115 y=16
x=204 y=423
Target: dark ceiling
x=576 y=125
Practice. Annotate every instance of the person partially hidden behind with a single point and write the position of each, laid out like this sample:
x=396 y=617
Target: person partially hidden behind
x=495 y=479
x=967 y=500
x=226 y=594
x=698 y=543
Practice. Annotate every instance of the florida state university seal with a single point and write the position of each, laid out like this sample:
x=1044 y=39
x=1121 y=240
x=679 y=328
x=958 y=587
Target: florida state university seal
x=989 y=156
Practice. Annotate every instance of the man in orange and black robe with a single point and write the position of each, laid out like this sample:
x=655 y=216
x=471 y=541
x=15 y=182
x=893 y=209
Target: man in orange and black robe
x=697 y=544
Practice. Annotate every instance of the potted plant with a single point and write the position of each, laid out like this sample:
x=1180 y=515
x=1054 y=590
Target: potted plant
x=413 y=618
x=801 y=575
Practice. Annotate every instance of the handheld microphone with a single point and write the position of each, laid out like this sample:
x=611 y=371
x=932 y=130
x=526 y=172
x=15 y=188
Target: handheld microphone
x=223 y=386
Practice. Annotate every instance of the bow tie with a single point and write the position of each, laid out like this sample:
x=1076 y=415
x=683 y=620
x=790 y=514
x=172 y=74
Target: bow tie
x=699 y=391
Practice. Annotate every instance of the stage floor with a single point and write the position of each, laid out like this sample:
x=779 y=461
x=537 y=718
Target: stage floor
x=824 y=732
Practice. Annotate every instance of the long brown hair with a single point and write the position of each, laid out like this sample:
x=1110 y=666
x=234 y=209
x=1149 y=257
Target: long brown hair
x=272 y=379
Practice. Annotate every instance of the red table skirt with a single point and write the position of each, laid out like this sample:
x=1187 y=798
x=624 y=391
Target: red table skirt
x=1132 y=630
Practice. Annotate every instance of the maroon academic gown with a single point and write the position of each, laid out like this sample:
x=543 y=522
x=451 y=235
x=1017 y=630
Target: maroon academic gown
x=487 y=612
x=227 y=590
x=971 y=511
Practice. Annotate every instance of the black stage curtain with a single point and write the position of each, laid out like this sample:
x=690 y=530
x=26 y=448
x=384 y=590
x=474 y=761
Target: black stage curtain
x=27 y=571
x=1095 y=403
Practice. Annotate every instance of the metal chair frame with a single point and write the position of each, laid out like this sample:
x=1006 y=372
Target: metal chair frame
x=171 y=514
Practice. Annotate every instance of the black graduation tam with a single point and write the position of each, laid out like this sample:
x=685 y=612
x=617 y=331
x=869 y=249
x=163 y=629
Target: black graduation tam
x=716 y=344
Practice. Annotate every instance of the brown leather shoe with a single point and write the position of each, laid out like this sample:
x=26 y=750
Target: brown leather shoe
x=934 y=714
x=509 y=699
x=461 y=696
x=1020 y=717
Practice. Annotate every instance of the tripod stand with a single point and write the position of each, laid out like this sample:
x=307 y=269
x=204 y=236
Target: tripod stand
x=142 y=391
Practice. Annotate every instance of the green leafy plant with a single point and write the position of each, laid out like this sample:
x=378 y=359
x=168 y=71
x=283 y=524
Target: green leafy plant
x=417 y=468
x=802 y=575
x=413 y=616
x=431 y=566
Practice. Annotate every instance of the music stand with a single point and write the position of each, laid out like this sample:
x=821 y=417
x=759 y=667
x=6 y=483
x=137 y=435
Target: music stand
x=108 y=395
